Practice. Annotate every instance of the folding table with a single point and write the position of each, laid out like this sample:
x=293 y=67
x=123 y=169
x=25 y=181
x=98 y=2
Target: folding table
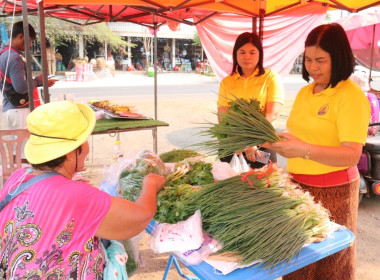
x=339 y=240
x=106 y=126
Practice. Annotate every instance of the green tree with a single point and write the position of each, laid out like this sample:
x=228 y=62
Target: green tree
x=62 y=31
x=196 y=39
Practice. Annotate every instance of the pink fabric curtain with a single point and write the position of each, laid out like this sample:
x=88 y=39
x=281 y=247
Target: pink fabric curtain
x=284 y=37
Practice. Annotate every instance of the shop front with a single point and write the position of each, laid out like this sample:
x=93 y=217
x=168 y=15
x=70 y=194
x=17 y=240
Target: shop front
x=175 y=50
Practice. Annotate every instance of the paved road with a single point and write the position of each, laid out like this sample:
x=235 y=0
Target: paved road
x=129 y=91
x=138 y=84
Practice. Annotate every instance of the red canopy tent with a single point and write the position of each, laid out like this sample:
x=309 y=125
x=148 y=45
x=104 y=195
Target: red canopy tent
x=140 y=11
x=154 y=13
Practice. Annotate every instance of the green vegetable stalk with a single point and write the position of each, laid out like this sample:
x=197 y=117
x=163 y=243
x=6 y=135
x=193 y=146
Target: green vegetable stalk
x=178 y=155
x=243 y=126
x=259 y=216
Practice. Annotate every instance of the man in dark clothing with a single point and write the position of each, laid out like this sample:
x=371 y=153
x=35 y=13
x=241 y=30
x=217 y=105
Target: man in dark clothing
x=13 y=80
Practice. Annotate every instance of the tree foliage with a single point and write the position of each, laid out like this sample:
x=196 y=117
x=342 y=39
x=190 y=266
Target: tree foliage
x=63 y=32
x=196 y=39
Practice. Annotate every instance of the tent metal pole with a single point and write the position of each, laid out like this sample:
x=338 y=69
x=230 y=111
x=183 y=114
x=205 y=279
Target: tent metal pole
x=28 y=55
x=43 y=52
x=155 y=83
x=372 y=50
x=254 y=25
x=261 y=24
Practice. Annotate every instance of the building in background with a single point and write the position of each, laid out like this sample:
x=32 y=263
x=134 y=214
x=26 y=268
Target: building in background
x=175 y=50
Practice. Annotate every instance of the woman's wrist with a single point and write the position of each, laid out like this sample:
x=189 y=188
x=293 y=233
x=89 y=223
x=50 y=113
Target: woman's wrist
x=307 y=154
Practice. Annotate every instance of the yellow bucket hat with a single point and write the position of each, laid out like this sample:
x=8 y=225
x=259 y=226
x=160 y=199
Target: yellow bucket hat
x=56 y=129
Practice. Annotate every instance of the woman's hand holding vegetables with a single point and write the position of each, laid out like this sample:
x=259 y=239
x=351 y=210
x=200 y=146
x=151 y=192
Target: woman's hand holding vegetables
x=291 y=147
x=154 y=180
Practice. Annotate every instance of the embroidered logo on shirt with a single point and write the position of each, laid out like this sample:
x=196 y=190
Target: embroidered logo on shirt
x=323 y=110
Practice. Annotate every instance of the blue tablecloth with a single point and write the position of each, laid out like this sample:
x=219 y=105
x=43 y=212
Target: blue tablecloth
x=340 y=240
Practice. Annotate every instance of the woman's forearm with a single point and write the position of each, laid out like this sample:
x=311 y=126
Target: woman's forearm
x=344 y=155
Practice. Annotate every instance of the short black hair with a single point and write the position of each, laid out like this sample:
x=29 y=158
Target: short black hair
x=18 y=28
x=241 y=40
x=332 y=39
x=54 y=163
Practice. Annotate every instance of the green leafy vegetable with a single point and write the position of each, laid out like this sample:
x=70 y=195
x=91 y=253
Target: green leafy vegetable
x=178 y=155
x=198 y=175
x=171 y=202
x=243 y=126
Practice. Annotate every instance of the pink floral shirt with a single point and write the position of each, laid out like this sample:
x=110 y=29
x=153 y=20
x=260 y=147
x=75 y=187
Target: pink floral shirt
x=47 y=232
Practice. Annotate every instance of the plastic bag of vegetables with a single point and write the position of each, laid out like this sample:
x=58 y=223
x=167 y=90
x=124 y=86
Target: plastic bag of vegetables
x=130 y=179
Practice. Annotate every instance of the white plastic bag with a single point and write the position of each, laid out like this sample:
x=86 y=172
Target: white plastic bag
x=222 y=170
x=183 y=236
x=194 y=257
x=238 y=164
x=111 y=175
x=132 y=247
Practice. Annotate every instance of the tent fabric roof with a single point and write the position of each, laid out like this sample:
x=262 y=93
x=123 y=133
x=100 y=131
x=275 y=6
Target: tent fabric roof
x=140 y=11
x=247 y=7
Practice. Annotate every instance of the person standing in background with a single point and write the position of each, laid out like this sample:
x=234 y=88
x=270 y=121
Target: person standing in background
x=50 y=56
x=327 y=128
x=250 y=80
x=13 y=79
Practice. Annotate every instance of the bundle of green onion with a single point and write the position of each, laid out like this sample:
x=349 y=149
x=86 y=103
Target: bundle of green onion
x=242 y=127
x=178 y=155
x=258 y=216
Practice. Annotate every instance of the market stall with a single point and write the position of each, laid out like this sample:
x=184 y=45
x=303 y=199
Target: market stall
x=204 y=271
x=309 y=254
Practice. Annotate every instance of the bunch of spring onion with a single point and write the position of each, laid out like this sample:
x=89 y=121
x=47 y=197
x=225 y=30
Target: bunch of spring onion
x=243 y=126
x=259 y=216
x=177 y=155
x=178 y=173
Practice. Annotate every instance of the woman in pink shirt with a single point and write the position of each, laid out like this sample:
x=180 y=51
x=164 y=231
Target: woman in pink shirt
x=52 y=229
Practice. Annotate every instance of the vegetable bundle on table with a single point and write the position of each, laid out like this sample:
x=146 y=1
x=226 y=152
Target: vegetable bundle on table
x=131 y=178
x=172 y=199
x=242 y=127
x=178 y=155
x=186 y=175
x=258 y=216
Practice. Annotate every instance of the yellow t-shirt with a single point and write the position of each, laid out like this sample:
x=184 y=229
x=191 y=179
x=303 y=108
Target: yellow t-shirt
x=264 y=88
x=328 y=118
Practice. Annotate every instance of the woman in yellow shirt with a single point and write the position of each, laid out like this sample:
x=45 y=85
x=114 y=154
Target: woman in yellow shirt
x=250 y=80
x=327 y=128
